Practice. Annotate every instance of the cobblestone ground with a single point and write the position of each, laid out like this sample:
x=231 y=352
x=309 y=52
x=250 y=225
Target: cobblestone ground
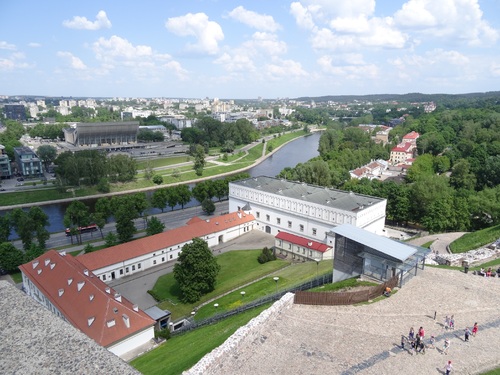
x=299 y=339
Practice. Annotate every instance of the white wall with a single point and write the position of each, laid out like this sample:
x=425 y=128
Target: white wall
x=132 y=342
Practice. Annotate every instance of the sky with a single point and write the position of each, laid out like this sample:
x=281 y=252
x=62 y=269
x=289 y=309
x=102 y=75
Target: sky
x=237 y=49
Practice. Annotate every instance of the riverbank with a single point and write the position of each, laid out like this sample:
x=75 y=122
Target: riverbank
x=259 y=160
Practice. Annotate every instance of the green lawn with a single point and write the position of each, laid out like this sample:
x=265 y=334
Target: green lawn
x=163 y=162
x=474 y=240
x=348 y=283
x=237 y=268
x=182 y=352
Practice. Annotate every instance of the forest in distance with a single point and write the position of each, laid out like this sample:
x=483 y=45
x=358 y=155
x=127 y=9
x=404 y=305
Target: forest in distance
x=454 y=182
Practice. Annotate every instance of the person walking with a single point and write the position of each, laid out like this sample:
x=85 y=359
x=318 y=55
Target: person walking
x=448 y=367
x=446 y=322
x=431 y=342
x=446 y=346
x=474 y=329
x=421 y=332
x=467 y=333
x=403 y=338
x=411 y=334
x=452 y=322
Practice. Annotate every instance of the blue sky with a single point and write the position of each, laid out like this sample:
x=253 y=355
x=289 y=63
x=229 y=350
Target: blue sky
x=246 y=49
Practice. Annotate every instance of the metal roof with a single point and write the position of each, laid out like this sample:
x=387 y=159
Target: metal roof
x=340 y=199
x=382 y=244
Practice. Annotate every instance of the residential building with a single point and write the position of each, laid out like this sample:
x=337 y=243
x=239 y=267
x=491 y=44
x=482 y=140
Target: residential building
x=28 y=163
x=136 y=256
x=35 y=341
x=304 y=210
x=298 y=248
x=5 y=169
x=401 y=153
x=69 y=290
x=372 y=170
x=14 y=112
x=411 y=138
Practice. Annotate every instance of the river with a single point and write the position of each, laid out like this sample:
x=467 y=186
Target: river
x=297 y=151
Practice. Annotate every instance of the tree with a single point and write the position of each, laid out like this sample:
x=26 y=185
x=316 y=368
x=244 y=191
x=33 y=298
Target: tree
x=110 y=239
x=184 y=194
x=30 y=224
x=10 y=257
x=158 y=179
x=76 y=215
x=88 y=248
x=159 y=199
x=103 y=185
x=155 y=226
x=47 y=154
x=196 y=271
x=199 y=159
x=208 y=206
x=125 y=211
x=5 y=225
x=267 y=255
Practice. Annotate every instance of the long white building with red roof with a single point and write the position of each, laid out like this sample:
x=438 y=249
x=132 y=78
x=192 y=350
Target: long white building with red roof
x=135 y=256
x=68 y=289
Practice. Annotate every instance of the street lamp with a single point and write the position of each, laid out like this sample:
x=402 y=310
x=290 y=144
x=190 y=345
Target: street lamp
x=216 y=305
x=317 y=266
x=242 y=294
x=276 y=278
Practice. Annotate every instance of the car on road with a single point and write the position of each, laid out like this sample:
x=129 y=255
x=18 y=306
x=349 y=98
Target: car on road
x=20 y=179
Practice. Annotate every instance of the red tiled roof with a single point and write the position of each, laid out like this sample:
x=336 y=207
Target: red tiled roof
x=411 y=135
x=402 y=148
x=301 y=241
x=146 y=245
x=82 y=298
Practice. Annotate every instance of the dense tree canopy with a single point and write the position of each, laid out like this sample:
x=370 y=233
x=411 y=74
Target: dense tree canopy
x=196 y=271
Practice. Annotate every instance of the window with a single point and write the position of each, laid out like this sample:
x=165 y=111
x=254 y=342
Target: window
x=139 y=266
x=301 y=228
x=289 y=224
x=314 y=231
x=162 y=259
x=154 y=262
x=133 y=267
x=121 y=271
x=104 y=277
x=289 y=246
x=170 y=256
x=126 y=269
x=278 y=221
x=268 y=217
x=258 y=214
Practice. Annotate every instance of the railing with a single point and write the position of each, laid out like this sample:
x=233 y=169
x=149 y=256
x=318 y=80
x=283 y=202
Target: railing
x=344 y=298
x=192 y=324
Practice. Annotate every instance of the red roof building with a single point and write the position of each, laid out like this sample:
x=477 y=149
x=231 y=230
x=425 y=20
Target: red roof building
x=301 y=248
x=67 y=288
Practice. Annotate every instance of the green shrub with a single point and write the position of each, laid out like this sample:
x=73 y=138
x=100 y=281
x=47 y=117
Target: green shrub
x=164 y=334
x=267 y=255
x=155 y=295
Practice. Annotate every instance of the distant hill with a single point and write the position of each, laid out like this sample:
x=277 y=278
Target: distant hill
x=410 y=97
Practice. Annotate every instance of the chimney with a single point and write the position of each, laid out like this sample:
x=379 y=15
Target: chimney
x=80 y=285
x=110 y=323
x=118 y=297
x=126 y=320
x=136 y=308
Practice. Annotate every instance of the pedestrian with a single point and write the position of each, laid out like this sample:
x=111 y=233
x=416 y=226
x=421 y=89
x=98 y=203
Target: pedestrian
x=403 y=342
x=446 y=322
x=417 y=343
x=467 y=333
x=421 y=332
x=411 y=334
x=448 y=367
x=431 y=342
x=452 y=322
x=474 y=329
x=446 y=346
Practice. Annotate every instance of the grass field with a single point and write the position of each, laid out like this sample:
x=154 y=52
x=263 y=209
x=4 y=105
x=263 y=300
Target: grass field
x=182 y=352
x=474 y=240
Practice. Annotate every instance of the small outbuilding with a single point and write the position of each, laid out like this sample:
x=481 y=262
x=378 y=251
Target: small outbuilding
x=359 y=252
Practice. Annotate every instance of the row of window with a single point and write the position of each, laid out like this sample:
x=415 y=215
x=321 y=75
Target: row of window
x=290 y=224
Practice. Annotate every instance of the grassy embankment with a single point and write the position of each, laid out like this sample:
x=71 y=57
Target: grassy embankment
x=238 y=268
x=475 y=240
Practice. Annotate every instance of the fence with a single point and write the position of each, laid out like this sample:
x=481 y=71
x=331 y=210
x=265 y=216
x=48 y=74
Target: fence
x=343 y=298
x=191 y=324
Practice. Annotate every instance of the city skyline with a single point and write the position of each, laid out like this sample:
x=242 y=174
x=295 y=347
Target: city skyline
x=243 y=50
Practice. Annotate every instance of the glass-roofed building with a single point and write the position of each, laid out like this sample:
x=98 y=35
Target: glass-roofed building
x=359 y=252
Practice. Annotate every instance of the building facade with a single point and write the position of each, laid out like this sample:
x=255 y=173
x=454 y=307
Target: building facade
x=102 y=133
x=296 y=248
x=304 y=210
x=5 y=168
x=14 y=112
x=69 y=290
x=28 y=163
x=136 y=256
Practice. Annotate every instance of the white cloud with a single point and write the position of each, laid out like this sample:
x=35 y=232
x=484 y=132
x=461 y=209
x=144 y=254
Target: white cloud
x=74 y=62
x=237 y=62
x=350 y=66
x=207 y=33
x=285 y=69
x=253 y=19
x=456 y=20
x=34 y=45
x=265 y=43
x=14 y=61
x=303 y=16
x=82 y=23
x=7 y=46
x=115 y=46
x=176 y=67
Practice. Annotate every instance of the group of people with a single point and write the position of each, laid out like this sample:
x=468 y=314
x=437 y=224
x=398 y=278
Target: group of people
x=415 y=341
x=489 y=272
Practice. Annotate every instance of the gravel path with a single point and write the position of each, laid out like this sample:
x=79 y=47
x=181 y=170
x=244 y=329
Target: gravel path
x=299 y=339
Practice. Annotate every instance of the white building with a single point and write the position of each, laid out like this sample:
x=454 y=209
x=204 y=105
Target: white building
x=136 y=256
x=304 y=210
x=69 y=290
